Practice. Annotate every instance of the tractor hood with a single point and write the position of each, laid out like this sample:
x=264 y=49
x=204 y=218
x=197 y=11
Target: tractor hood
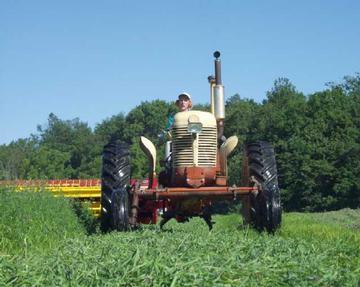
x=182 y=119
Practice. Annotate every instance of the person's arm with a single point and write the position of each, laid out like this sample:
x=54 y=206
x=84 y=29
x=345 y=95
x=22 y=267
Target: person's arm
x=165 y=134
x=170 y=122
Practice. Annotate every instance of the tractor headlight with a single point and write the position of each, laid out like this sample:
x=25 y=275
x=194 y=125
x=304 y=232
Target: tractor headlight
x=194 y=128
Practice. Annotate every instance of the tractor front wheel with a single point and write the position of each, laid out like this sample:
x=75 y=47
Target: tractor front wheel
x=262 y=210
x=120 y=210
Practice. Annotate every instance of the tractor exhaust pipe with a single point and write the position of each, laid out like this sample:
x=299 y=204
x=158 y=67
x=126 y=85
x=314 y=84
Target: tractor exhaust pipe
x=217 y=95
x=217 y=68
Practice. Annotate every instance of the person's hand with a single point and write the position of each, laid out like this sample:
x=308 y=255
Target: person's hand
x=164 y=135
x=161 y=136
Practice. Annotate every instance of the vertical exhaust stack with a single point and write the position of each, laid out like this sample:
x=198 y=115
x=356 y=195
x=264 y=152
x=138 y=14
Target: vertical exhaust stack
x=217 y=95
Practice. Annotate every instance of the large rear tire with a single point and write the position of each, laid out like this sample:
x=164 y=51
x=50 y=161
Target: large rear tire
x=262 y=210
x=115 y=180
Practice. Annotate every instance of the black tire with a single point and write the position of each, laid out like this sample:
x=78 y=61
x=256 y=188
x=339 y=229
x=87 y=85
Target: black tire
x=120 y=210
x=263 y=210
x=115 y=179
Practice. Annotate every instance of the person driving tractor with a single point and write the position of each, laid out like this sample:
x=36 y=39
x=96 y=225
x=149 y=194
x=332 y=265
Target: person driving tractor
x=184 y=104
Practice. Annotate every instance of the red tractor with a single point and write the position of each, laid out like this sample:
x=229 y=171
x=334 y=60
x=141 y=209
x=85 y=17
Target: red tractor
x=195 y=174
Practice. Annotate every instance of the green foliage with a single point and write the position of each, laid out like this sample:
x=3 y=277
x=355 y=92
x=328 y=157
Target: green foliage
x=14 y=158
x=316 y=139
x=147 y=119
x=35 y=222
x=309 y=250
x=241 y=115
x=73 y=137
x=201 y=107
x=308 y=159
x=111 y=129
x=47 y=163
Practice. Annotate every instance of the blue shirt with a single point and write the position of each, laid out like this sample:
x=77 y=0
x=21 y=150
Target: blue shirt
x=170 y=122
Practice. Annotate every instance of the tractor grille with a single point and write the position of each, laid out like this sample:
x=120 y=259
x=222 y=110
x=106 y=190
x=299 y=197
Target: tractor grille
x=182 y=153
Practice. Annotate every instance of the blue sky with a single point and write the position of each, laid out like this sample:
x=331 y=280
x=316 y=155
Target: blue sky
x=94 y=59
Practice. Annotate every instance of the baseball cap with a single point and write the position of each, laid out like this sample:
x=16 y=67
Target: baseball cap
x=185 y=94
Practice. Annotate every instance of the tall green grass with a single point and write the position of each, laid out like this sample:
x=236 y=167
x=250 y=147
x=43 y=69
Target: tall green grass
x=309 y=250
x=35 y=222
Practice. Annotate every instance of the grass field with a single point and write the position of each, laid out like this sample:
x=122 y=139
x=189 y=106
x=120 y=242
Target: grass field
x=43 y=244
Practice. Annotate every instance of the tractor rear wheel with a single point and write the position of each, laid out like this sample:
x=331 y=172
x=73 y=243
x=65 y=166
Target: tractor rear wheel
x=262 y=210
x=115 y=180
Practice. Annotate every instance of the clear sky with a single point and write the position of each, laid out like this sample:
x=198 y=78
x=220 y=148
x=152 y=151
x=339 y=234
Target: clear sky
x=94 y=59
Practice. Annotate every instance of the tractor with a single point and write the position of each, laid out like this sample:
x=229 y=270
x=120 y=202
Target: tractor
x=195 y=174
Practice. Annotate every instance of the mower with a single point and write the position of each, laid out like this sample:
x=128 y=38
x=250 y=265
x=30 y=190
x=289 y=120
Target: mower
x=195 y=174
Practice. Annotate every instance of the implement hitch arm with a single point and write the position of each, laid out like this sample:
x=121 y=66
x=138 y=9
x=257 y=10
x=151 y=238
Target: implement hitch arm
x=202 y=192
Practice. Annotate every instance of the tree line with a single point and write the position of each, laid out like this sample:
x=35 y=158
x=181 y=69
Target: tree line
x=316 y=139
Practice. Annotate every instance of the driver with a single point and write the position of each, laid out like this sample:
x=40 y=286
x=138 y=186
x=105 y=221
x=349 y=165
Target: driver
x=184 y=104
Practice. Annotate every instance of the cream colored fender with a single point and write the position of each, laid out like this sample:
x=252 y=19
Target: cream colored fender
x=225 y=150
x=149 y=149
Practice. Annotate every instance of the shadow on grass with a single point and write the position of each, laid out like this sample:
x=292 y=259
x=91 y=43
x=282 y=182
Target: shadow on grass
x=90 y=223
